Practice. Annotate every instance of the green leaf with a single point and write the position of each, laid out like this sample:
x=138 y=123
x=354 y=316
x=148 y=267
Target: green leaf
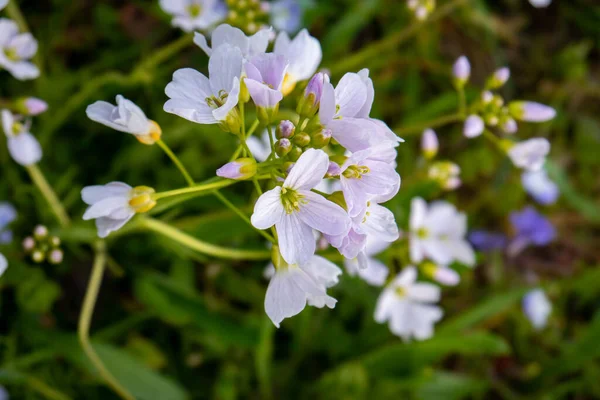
x=449 y=386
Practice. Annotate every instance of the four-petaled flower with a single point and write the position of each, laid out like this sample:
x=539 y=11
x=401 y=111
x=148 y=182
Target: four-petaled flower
x=22 y=145
x=194 y=14
x=15 y=49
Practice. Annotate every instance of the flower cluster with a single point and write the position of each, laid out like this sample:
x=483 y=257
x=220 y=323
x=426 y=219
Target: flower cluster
x=42 y=246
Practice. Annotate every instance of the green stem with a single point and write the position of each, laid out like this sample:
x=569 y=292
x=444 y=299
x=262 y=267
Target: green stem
x=194 y=189
x=373 y=50
x=200 y=246
x=462 y=101
x=252 y=128
x=85 y=320
x=40 y=181
x=271 y=141
x=242 y=215
x=176 y=161
x=43 y=388
x=435 y=123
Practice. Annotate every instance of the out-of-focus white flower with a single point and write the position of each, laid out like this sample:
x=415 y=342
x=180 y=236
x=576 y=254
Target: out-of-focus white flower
x=540 y=3
x=304 y=55
x=194 y=14
x=225 y=34
x=429 y=144
x=295 y=210
x=530 y=154
x=15 y=49
x=22 y=145
x=537 y=308
x=474 y=126
x=409 y=307
x=446 y=174
x=421 y=8
x=510 y=126
x=540 y=187
x=531 y=111
x=211 y=100
x=126 y=117
x=293 y=286
x=286 y=15
x=461 y=70
x=3 y=264
x=370 y=269
x=7 y=215
x=438 y=232
x=3 y=4
x=3 y=392
x=114 y=204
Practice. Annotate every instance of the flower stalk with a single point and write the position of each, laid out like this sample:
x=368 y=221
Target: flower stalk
x=40 y=181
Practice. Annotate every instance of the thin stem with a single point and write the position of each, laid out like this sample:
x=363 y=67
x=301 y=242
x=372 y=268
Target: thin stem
x=194 y=189
x=200 y=246
x=177 y=162
x=13 y=11
x=85 y=320
x=242 y=215
x=252 y=128
x=44 y=389
x=40 y=181
x=435 y=123
x=373 y=50
x=236 y=153
x=494 y=139
x=271 y=141
x=462 y=101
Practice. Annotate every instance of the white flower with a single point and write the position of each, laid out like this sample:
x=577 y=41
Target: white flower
x=22 y=145
x=539 y=186
x=3 y=264
x=264 y=78
x=127 y=117
x=531 y=111
x=540 y=3
x=438 y=232
x=292 y=287
x=474 y=126
x=537 y=308
x=296 y=211
x=408 y=306
x=366 y=266
x=194 y=14
x=15 y=49
x=303 y=54
x=114 y=204
x=204 y=100
x=530 y=154
x=227 y=35
x=3 y=4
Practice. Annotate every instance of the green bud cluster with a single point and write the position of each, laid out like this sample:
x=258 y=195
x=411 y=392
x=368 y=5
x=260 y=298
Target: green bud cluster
x=248 y=15
x=41 y=246
x=492 y=108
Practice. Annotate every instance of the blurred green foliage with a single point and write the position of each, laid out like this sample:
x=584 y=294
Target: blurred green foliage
x=171 y=324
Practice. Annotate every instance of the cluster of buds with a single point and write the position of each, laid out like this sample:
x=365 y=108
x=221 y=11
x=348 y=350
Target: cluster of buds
x=248 y=15
x=42 y=246
x=421 y=8
x=445 y=173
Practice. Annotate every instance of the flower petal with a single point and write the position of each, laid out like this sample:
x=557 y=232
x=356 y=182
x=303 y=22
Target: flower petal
x=308 y=171
x=323 y=215
x=296 y=241
x=268 y=209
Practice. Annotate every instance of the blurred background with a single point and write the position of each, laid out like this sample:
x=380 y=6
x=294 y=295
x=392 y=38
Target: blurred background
x=171 y=324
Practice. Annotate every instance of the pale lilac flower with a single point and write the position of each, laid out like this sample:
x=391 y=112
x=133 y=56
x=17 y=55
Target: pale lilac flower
x=540 y=186
x=194 y=14
x=369 y=269
x=225 y=34
x=499 y=78
x=260 y=146
x=510 y=126
x=204 y=100
x=474 y=126
x=126 y=117
x=295 y=210
x=366 y=176
x=530 y=154
x=530 y=111
x=408 y=306
x=15 y=49
x=531 y=228
x=7 y=215
x=293 y=286
x=286 y=15
x=462 y=70
x=22 y=145
x=240 y=169
x=438 y=232
x=264 y=77
x=429 y=144
x=3 y=4
x=114 y=204
x=540 y=3
x=303 y=54
x=3 y=265
x=537 y=308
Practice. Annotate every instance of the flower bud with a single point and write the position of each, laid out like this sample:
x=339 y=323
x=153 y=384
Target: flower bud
x=334 y=169
x=232 y=122
x=283 y=147
x=461 y=71
x=38 y=256
x=295 y=154
x=40 y=232
x=28 y=244
x=30 y=106
x=301 y=139
x=474 y=126
x=240 y=169
x=285 y=129
x=141 y=200
x=429 y=144
x=491 y=120
x=321 y=138
x=54 y=241
x=487 y=97
x=55 y=256
x=530 y=111
x=441 y=274
x=309 y=103
x=267 y=115
x=499 y=78
x=510 y=126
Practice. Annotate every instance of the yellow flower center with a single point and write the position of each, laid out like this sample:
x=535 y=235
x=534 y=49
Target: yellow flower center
x=140 y=199
x=215 y=102
x=422 y=233
x=194 y=10
x=153 y=135
x=356 y=171
x=11 y=54
x=400 y=291
x=291 y=200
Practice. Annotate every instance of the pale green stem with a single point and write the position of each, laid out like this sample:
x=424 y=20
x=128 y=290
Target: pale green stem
x=40 y=181
x=177 y=162
x=43 y=389
x=435 y=123
x=462 y=101
x=252 y=128
x=194 y=189
x=200 y=246
x=85 y=319
x=242 y=215
x=271 y=141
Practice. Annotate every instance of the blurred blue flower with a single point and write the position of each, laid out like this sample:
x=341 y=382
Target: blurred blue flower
x=7 y=215
x=286 y=15
x=531 y=228
x=487 y=241
x=540 y=187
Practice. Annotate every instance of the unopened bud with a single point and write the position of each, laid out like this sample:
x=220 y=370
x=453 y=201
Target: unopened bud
x=429 y=144
x=441 y=274
x=244 y=93
x=461 y=71
x=54 y=241
x=510 y=126
x=285 y=129
x=40 y=232
x=232 y=122
x=474 y=126
x=28 y=244
x=321 y=138
x=30 y=106
x=491 y=120
x=240 y=169
x=499 y=78
x=295 y=154
x=283 y=147
x=487 y=97
x=37 y=256
x=267 y=115
x=55 y=256
x=141 y=199
x=530 y=111
x=446 y=174
x=309 y=103
x=301 y=139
